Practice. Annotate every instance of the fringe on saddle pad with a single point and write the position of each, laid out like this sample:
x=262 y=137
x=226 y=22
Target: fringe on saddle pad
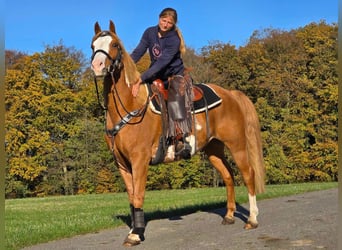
x=180 y=105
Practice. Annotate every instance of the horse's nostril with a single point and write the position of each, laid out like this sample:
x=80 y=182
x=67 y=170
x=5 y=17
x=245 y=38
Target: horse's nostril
x=97 y=65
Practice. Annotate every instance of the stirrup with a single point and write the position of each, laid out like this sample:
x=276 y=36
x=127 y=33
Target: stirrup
x=184 y=152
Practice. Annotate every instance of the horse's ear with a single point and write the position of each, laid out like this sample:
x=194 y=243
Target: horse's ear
x=97 y=28
x=112 y=26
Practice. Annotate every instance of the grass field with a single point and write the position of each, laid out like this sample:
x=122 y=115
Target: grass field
x=35 y=220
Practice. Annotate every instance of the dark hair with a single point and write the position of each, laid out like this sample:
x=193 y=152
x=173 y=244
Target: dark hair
x=169 y=12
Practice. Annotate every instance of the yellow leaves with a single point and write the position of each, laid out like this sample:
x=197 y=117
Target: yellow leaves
x=26 y=168
x=27 y=155
x=105 y=181
x=316 y=36
x=13 y=138
x=144 y=63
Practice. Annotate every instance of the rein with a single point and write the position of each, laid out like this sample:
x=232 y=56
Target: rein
x=129 y=115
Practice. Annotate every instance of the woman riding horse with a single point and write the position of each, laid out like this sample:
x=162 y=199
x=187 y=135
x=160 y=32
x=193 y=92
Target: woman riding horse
x=133 y=131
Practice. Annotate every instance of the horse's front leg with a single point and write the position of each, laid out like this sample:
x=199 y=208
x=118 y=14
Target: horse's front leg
x=135 y=182
x=139 y=177
x=127 y=178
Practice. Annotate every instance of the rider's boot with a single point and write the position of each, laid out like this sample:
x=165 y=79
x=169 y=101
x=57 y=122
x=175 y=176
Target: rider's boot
x=183 y=148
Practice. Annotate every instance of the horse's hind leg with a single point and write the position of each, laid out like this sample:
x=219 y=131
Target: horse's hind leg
x=241 y=160
x=215 y=152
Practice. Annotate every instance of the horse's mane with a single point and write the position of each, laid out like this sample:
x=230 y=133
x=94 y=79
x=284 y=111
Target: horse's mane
x=130 y=69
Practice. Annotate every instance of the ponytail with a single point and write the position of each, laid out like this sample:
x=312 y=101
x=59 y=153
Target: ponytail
x=182 y=48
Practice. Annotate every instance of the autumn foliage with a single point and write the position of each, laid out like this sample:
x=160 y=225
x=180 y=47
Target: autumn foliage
x=54 y=125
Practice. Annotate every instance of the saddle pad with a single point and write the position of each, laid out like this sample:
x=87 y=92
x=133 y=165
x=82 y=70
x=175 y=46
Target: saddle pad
x=210 y=99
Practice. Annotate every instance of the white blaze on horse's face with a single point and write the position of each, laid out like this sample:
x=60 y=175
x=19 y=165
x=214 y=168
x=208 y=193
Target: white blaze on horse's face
x=98 y=64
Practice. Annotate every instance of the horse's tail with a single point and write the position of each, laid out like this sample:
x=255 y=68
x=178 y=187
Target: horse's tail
x=254 y=145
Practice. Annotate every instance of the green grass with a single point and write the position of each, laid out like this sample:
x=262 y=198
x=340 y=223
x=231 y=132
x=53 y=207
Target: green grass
x=35 y=220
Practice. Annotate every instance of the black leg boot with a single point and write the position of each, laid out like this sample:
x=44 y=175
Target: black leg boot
x=132 y=215
x=139 y=223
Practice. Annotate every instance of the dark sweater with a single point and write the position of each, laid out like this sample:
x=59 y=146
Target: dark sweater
x=164 y=54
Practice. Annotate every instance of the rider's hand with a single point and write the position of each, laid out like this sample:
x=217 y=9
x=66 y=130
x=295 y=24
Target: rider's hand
x=135 y=87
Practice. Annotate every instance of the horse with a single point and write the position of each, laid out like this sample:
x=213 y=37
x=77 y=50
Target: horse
x=133 y=132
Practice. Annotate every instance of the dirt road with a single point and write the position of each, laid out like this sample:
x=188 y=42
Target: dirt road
x=305 y=221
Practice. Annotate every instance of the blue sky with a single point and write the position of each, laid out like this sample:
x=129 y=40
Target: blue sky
x=32 y=24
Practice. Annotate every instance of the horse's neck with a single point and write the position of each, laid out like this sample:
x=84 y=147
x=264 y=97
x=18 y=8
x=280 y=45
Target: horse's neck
x=120 y=99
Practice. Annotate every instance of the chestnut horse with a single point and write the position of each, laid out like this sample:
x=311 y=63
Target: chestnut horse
x=133 y=132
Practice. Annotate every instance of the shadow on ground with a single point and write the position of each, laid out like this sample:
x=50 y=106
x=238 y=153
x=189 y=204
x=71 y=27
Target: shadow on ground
x=176 y=214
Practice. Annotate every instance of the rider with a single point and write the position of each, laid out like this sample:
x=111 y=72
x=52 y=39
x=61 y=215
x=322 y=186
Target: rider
x=166 y=46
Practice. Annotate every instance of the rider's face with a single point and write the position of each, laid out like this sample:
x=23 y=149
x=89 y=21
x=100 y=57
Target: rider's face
x=166 y=23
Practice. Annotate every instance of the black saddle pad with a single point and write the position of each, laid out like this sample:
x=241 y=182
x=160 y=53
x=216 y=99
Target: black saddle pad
x=210 y=99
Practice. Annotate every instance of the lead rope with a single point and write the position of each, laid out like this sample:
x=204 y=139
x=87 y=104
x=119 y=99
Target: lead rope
x=103 y=106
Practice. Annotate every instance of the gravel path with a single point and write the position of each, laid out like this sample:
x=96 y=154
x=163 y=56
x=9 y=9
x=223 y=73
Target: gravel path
x=304 y=221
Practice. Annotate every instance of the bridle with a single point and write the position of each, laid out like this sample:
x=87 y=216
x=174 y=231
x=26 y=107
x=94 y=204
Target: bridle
x=115 y=62
x=114 y=68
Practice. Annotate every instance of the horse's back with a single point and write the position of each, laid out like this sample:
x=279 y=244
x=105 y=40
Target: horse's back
x=235 y=99
x=230 y=106
x=228 y=120
x=227 y=94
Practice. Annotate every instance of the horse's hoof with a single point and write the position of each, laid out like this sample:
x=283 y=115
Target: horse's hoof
x=131 y=240
x=250 y=225
x=228 y=221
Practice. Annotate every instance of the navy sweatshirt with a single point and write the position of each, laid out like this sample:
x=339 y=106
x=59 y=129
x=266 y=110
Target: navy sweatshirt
x=164 y=54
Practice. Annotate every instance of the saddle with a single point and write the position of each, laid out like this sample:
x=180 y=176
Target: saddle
x=158 y=86
x=203 y=97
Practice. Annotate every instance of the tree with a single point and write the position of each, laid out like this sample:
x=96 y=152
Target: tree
x=300 y=123
x=200 y=70
x=225 y=61
x=41 y=109
x=64 y=65
x=27 y=147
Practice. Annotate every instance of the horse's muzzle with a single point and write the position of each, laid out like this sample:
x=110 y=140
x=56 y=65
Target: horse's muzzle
x=100 y=73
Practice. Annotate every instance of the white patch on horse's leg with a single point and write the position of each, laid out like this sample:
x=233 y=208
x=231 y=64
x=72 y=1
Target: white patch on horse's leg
x=198 y=126
x=134 y=237
x=192 y=141
x=132 y=240
x=170 y=154
x=253 y=209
